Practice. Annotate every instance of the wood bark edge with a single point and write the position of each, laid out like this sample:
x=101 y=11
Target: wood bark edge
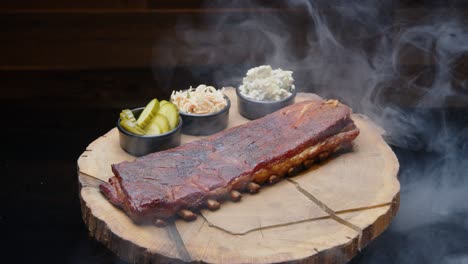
x=133 y=253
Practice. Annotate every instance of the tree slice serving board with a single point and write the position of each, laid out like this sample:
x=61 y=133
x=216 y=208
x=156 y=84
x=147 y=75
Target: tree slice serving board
x=326 y=214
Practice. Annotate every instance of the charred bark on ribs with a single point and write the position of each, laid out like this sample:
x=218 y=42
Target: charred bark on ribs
x=202 y=173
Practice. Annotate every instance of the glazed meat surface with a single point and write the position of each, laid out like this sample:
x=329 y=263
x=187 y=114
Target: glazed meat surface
x=159 y=185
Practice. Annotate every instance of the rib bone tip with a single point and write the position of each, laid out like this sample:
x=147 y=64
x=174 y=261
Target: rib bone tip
x=253 y=187
x=273 y=179
x=235 y=196
x=212 y=204
x=308 y=163
x=187 y=215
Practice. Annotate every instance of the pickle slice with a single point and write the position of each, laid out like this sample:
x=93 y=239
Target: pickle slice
x=169 y=110
x=153 y=129
x=127 y=114
x=162 y=122
x=131 y=127
x=148 y=113
x=163 y=102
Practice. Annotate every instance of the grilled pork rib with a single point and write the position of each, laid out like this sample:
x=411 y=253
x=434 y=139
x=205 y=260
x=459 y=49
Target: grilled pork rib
x=203 y=172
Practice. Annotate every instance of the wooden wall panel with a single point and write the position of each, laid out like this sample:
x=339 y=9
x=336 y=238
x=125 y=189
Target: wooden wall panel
x=79 y=40
x=70 y=4
x=98 y=39
x=47 y=40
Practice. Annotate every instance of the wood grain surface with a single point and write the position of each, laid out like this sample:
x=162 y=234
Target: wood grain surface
x=326 y=214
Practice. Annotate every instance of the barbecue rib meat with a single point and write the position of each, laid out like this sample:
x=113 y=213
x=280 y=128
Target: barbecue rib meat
x=200 y=173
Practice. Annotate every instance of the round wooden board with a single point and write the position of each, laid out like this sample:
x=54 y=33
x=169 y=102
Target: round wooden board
x=324 y=215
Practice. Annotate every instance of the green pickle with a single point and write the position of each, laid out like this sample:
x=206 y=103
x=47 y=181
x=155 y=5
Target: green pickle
x=170 y=111
x=148 y=113
x=163 y=102
x=152 y=129
x=162 y=122
x=127 y=114
x=131 y=127
x=155 y=119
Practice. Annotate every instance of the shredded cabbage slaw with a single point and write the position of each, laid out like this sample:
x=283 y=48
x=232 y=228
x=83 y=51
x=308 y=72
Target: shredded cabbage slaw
x=201 y=100
x=265 y=84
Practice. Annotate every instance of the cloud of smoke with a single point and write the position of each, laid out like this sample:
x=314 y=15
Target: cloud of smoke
x=410 y=77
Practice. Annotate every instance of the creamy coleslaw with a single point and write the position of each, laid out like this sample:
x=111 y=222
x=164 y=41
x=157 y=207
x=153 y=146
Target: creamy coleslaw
x=265 y=84
x=201 y=100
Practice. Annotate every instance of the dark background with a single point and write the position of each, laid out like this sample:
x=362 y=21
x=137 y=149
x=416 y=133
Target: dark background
x=67 y=68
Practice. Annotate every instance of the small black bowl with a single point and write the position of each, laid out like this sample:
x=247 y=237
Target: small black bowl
x=137 y=145
x=206 y=124
x=253 y=109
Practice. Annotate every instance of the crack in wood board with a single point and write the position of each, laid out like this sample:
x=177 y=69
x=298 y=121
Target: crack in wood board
x=180 y=245
x=87 y=180
x=201 y=226
x=206 y=247
x=263 y=227
x=327 y=209
x=363 y=208
x=260 y=227
x=212 y=225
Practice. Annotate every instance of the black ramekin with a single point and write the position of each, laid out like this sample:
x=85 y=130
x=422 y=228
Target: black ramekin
x=253 y=109
x=138 y=145
x=206 y=124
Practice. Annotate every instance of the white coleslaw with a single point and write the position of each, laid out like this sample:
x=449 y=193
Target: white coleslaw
x=265 y=84
x=201 y=100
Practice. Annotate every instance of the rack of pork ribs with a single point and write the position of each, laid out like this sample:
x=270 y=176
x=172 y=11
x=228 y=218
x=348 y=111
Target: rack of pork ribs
x=202 y=174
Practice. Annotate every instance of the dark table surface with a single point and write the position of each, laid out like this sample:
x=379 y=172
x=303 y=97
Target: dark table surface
x=40 y=216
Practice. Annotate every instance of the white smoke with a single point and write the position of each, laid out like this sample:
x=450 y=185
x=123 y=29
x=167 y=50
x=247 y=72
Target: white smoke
x=405 y=75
